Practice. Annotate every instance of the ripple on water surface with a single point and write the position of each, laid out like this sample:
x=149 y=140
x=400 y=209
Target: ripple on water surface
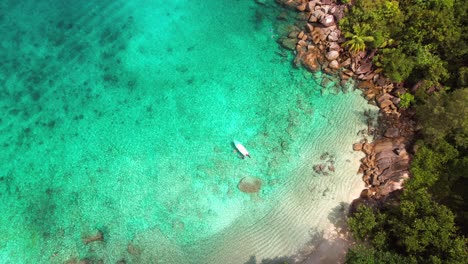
x=119 y=116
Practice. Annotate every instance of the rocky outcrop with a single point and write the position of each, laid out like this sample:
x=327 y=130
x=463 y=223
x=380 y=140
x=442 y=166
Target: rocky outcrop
x=386 y=164
x=317 y=47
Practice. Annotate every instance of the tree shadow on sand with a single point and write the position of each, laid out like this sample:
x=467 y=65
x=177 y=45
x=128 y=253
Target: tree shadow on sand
x=321 y=248
x=339 y=217
x=277 y=260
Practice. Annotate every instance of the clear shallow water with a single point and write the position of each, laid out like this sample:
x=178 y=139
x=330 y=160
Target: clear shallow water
x=119 y=116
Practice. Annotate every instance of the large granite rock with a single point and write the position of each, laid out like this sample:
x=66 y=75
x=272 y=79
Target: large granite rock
x=363 y=68
x=338 y=12
x=310 y=61
x=334 y=46
x=316 y=16
x=385 y=104
x=311 y=5
x=333 y=36
x=357 y=146
x=332 y=55
x=301 y=7
x=334 y=65
x=327 y=20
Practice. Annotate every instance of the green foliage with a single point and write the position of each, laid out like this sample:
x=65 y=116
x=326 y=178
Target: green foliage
x=422 y=93
x=360 y=255
x=358 y=39
x=445 y=117
x=423 y=42
x=368 y=255
x=416 y=38
x=362 y=223
x=397 y=65
x=423 y=227
x=406 y=99
x=430 y=65
x=441 y=162
x=430 y=22
x=428 y=165
x=416 y=230
x=463 y=77
x=384 y=16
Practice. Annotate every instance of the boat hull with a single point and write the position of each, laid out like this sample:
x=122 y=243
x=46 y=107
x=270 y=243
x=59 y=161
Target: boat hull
x=241 y=148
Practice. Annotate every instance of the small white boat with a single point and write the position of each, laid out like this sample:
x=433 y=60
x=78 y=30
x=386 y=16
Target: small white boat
x=241 y=149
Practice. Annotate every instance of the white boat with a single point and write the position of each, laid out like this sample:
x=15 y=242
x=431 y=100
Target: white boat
x=241 y=149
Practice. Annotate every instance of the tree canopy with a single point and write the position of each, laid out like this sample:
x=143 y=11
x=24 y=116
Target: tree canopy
x=422 y=44
x=418 y=230
x=416 y=38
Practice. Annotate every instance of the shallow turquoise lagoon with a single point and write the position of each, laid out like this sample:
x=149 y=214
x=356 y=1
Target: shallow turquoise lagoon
x=119 y=116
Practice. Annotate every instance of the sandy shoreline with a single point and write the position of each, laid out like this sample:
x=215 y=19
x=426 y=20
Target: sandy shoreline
x=309 y=220
x=316 y=41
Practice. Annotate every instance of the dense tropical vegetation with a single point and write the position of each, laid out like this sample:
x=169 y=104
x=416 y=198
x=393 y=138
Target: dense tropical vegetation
x=423 y=45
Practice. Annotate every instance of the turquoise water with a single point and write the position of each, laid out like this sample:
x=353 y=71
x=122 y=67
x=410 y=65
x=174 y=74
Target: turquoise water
x=119 y=116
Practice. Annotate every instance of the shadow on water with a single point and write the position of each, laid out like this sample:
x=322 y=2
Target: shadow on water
x=258 y=19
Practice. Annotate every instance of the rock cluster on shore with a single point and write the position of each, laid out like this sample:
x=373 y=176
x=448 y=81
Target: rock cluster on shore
x=327 y=166
x=385 y=166
x=317 y=43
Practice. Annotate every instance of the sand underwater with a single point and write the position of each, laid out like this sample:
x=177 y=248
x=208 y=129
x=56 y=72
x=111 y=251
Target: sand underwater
x=119 y=116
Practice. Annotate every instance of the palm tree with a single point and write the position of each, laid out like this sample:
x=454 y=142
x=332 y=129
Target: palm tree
x=357 y=42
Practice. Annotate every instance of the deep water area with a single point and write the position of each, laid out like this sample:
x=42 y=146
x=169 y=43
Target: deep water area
x=118 y=117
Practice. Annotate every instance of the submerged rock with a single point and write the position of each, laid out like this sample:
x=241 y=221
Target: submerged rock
x=250 y=184
x=310 y=62
x=317 y=168
x=324 y=156
x=98 y=237
x=133 y=250
x=289 y=43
